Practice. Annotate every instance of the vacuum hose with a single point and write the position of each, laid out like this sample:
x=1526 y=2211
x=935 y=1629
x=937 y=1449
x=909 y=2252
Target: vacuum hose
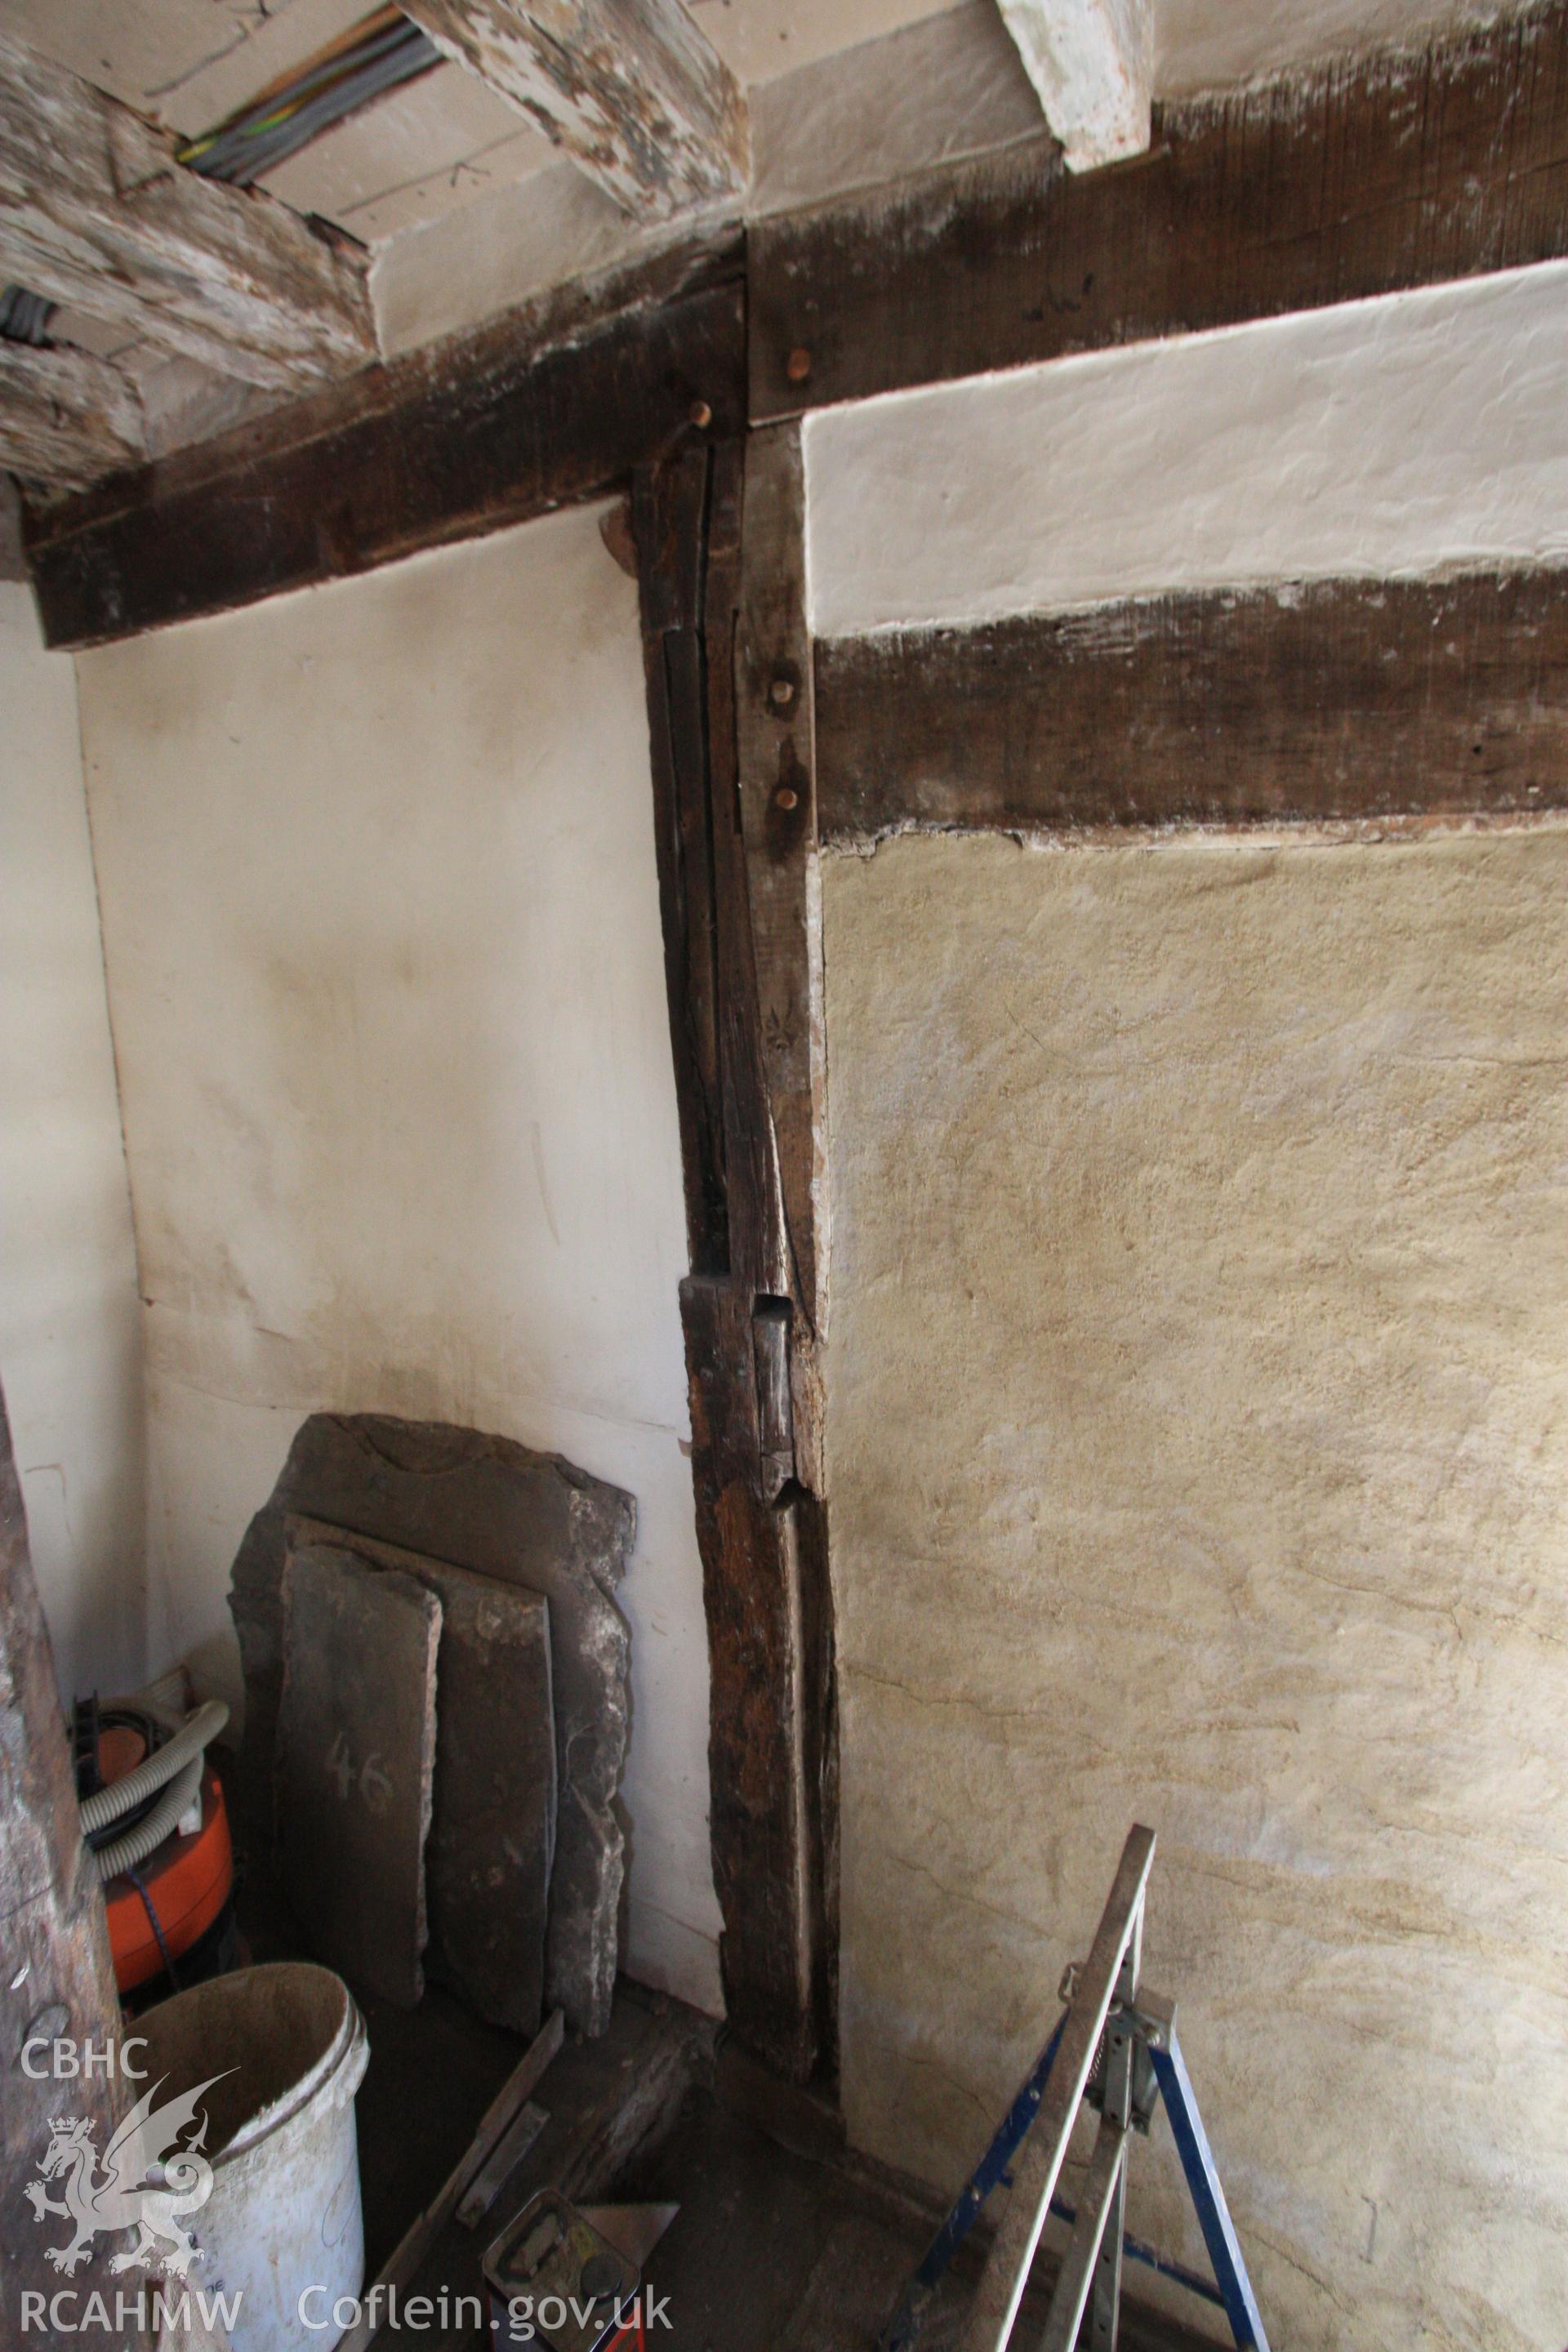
x=124 y=1796
x=147 y=1836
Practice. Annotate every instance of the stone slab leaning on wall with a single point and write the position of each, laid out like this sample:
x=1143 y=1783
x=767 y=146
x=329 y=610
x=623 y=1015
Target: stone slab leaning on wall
x=491 y=1506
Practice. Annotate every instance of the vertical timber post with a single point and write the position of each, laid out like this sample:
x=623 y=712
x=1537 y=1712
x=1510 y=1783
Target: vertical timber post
x=718 y=531
x=57 y=1980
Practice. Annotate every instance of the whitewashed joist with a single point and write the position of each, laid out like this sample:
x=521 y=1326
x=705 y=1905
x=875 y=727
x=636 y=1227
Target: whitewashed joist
x=632 y=90
x=95 y=212
x=1092 y=62
x=66 y=418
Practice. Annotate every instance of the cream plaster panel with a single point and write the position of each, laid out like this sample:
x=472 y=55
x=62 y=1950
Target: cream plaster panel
x=447 y=130
x=381 y=926
x=1197 y=1414
x=406 y=207
x=507 y=242
x=225 y=74
x=146 y=54
x=70 y=1323
x=759 y=38
x=950 y=86
x=1408 y=435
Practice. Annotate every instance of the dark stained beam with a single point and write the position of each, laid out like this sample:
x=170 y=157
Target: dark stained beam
x=1347 y=700
x=1378 y=175
x=66 y=418
x=530 y=412
x=95 y=212
x=634 y=91
x=761 y=1521
x=1392 y=173
x=668 y=521
x=775 y=728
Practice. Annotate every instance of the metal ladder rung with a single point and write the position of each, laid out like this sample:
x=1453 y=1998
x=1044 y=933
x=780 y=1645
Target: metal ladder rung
x=1076 y=2277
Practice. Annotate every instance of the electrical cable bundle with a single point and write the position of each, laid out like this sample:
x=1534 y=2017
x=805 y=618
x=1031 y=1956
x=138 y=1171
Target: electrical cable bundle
x=25 y=317
x=386 y=49
x=375 y=56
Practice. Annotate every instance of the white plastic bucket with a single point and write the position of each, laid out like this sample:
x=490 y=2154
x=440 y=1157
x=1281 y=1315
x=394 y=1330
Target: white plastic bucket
x=283 y=2221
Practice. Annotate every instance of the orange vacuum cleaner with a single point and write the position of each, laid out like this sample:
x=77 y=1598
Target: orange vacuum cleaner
x=153 y=1811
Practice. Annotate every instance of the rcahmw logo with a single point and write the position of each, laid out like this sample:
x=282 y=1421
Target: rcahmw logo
x=147 y=2182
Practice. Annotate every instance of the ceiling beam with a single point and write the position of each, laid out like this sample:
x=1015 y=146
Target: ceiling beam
x=555 y=402
x=1337 y=702
x=632 y=90
x=1404 y=168
x=66 y=418
x=95 y=212
x=1092 y=62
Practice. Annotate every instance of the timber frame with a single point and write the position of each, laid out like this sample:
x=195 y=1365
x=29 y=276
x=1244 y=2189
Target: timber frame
x=683 y=381
x=59 y=1978
x=718 y=538
x=1387 y=173
x=1346 y=701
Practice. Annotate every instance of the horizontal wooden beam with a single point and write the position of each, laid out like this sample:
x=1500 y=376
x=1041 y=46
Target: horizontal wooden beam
x=632 y=90
x=1391 y=172
x=95 y=212
x=458 y=440
x=1092 y=62
x=66 y=418
x=1342 y=700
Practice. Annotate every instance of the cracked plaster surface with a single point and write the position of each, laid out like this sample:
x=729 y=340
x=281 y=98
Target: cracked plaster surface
x=1198 y=1454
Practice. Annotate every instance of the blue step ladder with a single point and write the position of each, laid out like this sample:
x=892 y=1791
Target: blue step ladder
x=1115 y=2044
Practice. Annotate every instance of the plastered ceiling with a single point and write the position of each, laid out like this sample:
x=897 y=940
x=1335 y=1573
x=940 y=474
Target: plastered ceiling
x=437 y=143
x=466 y=206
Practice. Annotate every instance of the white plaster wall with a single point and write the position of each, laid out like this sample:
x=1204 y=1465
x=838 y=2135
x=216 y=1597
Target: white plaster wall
x=383 y=938
x=71 y=1337
x=1197 y=1427
x=950 y=86
x=1412 y=434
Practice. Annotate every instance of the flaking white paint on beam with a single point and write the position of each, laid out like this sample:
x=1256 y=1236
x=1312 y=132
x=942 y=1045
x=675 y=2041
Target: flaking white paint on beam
x=66 y=418
x=632 y=90
x=1404 y=436
x=95 y=212
x=1092 y=62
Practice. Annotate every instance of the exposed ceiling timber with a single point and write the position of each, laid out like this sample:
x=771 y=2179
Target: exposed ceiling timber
x=1092 y=62
x=96 y=213
x=632 y=90
x=66 y=418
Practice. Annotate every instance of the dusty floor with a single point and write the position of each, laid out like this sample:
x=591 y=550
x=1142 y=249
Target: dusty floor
x=775 y=2248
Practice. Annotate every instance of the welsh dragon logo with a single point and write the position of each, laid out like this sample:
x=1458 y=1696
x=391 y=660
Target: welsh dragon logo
x=148 y=2183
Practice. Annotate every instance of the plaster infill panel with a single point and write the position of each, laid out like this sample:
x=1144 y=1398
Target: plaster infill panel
x=1196 y=1424
x=381 y=924
x=1407 y=436
x=70 y=1322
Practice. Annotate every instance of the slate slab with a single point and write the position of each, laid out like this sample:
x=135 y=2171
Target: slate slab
x=490 y=1505
x=356 y=1748
x=493 y=1827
